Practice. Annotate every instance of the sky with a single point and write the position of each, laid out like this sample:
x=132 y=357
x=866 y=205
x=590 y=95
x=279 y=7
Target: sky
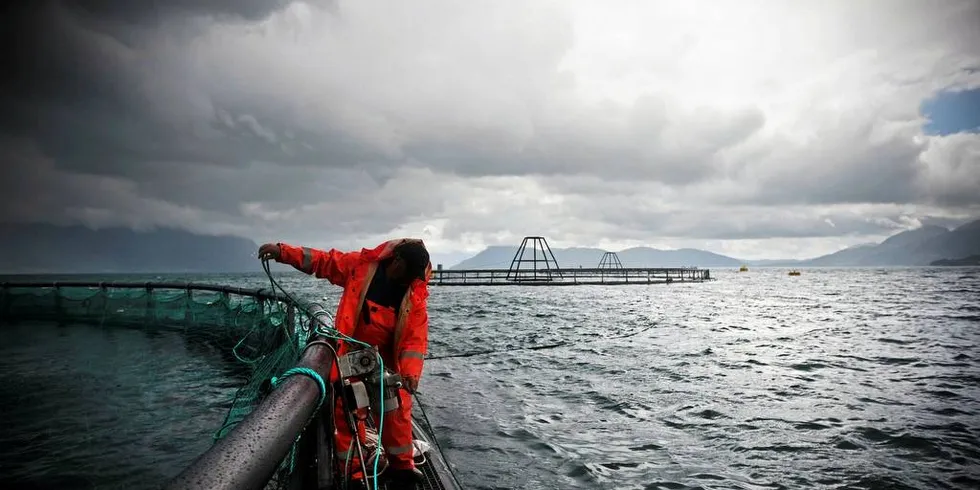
x=756 y=129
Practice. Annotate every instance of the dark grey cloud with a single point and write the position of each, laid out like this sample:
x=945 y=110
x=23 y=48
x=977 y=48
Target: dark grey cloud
x=484 y=121
x=756 y=223
x=152 y=12
x=106 y=87
x=844 y=166
x=641 y=142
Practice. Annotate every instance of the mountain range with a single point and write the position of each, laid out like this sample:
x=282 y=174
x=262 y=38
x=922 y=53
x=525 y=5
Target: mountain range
x=917 y=247
x=51 y=249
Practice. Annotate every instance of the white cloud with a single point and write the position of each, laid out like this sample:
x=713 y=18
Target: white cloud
x=951 y=173
x=757 y=128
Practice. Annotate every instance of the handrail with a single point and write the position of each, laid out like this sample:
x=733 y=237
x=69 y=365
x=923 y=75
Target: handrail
x=567 y=277
x=567 y=270
x=261 y=293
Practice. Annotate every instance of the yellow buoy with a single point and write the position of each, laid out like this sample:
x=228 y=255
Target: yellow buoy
x=744 y=268
x=794 y=273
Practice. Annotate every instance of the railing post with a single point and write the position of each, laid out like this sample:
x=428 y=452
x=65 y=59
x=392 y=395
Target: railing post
x=104 y=292
x=188 y=304
x=226 y=302
x=149 y=316
x=4 y=303
x=59 y=314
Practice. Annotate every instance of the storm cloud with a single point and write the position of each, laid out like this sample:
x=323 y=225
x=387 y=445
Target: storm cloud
x=764 y=127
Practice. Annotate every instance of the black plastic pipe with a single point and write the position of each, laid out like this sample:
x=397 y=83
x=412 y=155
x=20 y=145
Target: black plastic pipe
x=247 y=457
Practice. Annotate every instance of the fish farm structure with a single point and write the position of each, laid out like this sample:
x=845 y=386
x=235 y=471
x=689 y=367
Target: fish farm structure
x=277 y=433
x=535 y=264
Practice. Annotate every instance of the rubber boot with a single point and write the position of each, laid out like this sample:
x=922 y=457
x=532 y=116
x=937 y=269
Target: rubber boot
x=404 y=479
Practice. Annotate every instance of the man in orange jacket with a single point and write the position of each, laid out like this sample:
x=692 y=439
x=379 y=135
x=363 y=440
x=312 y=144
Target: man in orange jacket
x=383 y=304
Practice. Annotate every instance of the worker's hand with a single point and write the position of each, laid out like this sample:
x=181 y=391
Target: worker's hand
x=410 y=383
x=269 y=251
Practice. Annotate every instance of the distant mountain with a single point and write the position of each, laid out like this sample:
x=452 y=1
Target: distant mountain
x=49 y=249
x=959 y=243
x=500 y=257
x=917 y=247
x=971 y=260
x=685 y=257
x=920 y=246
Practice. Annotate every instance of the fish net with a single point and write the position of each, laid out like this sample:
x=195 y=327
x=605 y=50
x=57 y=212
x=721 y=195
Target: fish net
x=261 y=332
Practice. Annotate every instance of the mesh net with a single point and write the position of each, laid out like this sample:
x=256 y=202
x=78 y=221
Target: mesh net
x=259 y=331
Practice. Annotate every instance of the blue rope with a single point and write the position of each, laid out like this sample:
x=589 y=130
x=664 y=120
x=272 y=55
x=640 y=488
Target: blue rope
x=276 y=381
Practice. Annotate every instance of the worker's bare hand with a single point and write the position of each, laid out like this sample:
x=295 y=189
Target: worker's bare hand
x=410 y=383
x=269 y=251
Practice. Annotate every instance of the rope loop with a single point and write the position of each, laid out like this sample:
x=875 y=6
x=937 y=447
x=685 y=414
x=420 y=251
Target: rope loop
x=276 y=381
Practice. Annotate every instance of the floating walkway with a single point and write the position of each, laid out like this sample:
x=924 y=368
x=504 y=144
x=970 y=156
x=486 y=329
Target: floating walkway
x=545 y=271
x=567 y=277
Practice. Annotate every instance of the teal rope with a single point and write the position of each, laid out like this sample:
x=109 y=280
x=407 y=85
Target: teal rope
x=381 y=421
x=276 y=381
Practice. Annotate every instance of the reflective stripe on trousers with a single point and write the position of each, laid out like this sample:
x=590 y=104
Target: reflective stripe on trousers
x=396 y=435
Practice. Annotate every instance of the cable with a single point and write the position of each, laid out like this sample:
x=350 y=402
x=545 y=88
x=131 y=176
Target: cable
x=381 y=420
x=434 y=441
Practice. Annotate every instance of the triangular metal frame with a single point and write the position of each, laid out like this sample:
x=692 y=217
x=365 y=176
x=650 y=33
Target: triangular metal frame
x=610 y=260
x=542 y=259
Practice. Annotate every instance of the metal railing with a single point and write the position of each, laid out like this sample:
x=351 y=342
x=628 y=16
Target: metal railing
x=571 y=276
x=9 y=308
x=189 y=286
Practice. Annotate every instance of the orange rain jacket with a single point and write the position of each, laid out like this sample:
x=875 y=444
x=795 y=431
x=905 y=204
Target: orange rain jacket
x=353 y=271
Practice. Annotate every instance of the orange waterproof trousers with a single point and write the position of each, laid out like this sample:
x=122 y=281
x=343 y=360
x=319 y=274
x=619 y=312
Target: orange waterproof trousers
x=396 y=433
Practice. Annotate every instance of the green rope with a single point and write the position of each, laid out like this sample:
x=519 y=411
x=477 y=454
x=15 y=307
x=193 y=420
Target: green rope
x=276 y=381
x=256 y=325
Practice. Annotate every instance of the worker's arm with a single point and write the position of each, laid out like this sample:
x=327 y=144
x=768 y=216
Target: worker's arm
x=333 y=265
x=415 y=342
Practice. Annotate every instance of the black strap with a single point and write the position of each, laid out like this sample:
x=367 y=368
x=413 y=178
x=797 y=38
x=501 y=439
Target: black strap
x=366 y=313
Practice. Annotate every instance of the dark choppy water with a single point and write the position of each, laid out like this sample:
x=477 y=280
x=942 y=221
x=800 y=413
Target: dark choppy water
x=843 y=378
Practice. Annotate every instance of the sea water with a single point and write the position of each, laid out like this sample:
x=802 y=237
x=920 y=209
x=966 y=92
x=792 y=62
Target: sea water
x=838 y=378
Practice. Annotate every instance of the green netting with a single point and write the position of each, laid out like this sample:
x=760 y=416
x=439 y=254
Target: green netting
x=257 y=330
